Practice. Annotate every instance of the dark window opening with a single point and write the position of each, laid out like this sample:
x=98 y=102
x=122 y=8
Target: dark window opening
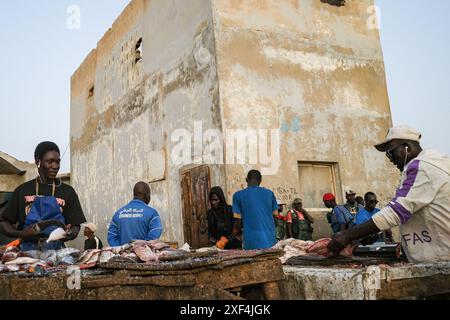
x=138 y=51
x=337 y=3
x=91 y=92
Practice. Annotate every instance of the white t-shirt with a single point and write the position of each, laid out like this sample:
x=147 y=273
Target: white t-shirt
x=421 y=208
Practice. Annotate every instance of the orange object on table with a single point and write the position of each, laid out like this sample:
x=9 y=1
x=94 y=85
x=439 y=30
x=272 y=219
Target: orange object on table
x=16 y=243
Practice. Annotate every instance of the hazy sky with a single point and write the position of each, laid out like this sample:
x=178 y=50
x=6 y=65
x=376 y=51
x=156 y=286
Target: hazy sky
x=40 y=53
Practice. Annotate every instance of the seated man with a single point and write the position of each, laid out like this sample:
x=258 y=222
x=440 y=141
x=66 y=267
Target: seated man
x=92 y=241
x=136 y=220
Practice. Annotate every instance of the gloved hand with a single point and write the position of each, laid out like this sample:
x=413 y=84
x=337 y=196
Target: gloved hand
x=222 y=243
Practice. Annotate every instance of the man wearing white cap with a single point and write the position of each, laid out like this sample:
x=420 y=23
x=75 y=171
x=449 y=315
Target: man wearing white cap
x=91 y=242
x=421 y=206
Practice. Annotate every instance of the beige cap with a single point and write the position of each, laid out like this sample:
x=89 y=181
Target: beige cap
x=399 y=133
x=91 y=226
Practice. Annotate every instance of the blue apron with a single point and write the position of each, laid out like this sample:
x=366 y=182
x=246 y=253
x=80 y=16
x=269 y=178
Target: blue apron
x=43 y=208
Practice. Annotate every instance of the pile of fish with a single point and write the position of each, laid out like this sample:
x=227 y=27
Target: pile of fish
x=13 y=260
x=295 y=248
x=139 y=251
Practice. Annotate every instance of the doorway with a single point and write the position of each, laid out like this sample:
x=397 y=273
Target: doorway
x=195 y=186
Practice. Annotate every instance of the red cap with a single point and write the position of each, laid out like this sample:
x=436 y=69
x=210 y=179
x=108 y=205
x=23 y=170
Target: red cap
x=328 y=197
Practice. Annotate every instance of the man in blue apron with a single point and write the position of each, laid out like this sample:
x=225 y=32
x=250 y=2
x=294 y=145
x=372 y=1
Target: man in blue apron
x=41 y=205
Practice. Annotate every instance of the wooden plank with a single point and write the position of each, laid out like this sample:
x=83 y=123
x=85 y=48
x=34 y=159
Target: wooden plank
x=164 y=273
x=242 y=275
x=48 y=288
x=160 y=281
x=414 y=287
x=225 y=295
x=160 y=293
x=272 y=291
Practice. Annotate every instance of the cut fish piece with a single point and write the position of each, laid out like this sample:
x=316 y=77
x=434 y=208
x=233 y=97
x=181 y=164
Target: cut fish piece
x=67 y=252
x=145 y=253
x=57 y=234
x=106 y=255
x=13 y=268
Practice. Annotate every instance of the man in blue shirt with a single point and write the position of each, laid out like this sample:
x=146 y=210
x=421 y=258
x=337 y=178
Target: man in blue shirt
x=343 y=216
x=256 y=207
x=136 y=220
x=366 y=213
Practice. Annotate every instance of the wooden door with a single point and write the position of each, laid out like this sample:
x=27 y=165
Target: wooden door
x=195 y=186
x=315 y=179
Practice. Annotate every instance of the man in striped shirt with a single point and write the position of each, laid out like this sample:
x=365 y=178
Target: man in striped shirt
x=135 y=221
x=421 y=206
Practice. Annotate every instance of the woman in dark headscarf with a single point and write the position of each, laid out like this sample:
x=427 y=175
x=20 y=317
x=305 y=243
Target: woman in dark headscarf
x=220 y=221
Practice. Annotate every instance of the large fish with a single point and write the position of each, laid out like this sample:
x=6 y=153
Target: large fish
x=291 y=251
x=22 y=260
x=9 y=257
x=89 y=257
x=121 y=249
x=30 y=254
x=171 y=253
x=106 y=255
x=13 y=268
x=49 y=256
x=153 y=244
x=60 y=254
x=320 y=247
x=144 y=252
x=121 y=259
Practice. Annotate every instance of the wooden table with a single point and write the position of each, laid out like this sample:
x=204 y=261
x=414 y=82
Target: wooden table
x=211 y=282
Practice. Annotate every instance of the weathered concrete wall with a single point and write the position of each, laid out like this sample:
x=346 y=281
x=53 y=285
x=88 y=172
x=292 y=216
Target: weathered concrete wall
x=320 y=64
x=9 y=183
x=122 y=134
x=231 y=65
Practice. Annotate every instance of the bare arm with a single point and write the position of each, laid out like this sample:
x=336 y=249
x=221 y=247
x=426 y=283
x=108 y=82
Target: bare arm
x=9 y=230
x=308 y=216
x=290 y=234
x=342 y=239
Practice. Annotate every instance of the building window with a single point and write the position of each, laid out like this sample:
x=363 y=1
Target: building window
x=138 y=51
x=337 y=3
x=316 y=179
x=91 y=92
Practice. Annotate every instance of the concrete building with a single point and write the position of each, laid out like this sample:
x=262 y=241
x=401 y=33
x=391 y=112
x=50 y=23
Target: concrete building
x=14 y=172
x=306 y=73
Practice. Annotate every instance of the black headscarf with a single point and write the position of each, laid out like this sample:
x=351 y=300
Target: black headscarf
x=216 y=216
